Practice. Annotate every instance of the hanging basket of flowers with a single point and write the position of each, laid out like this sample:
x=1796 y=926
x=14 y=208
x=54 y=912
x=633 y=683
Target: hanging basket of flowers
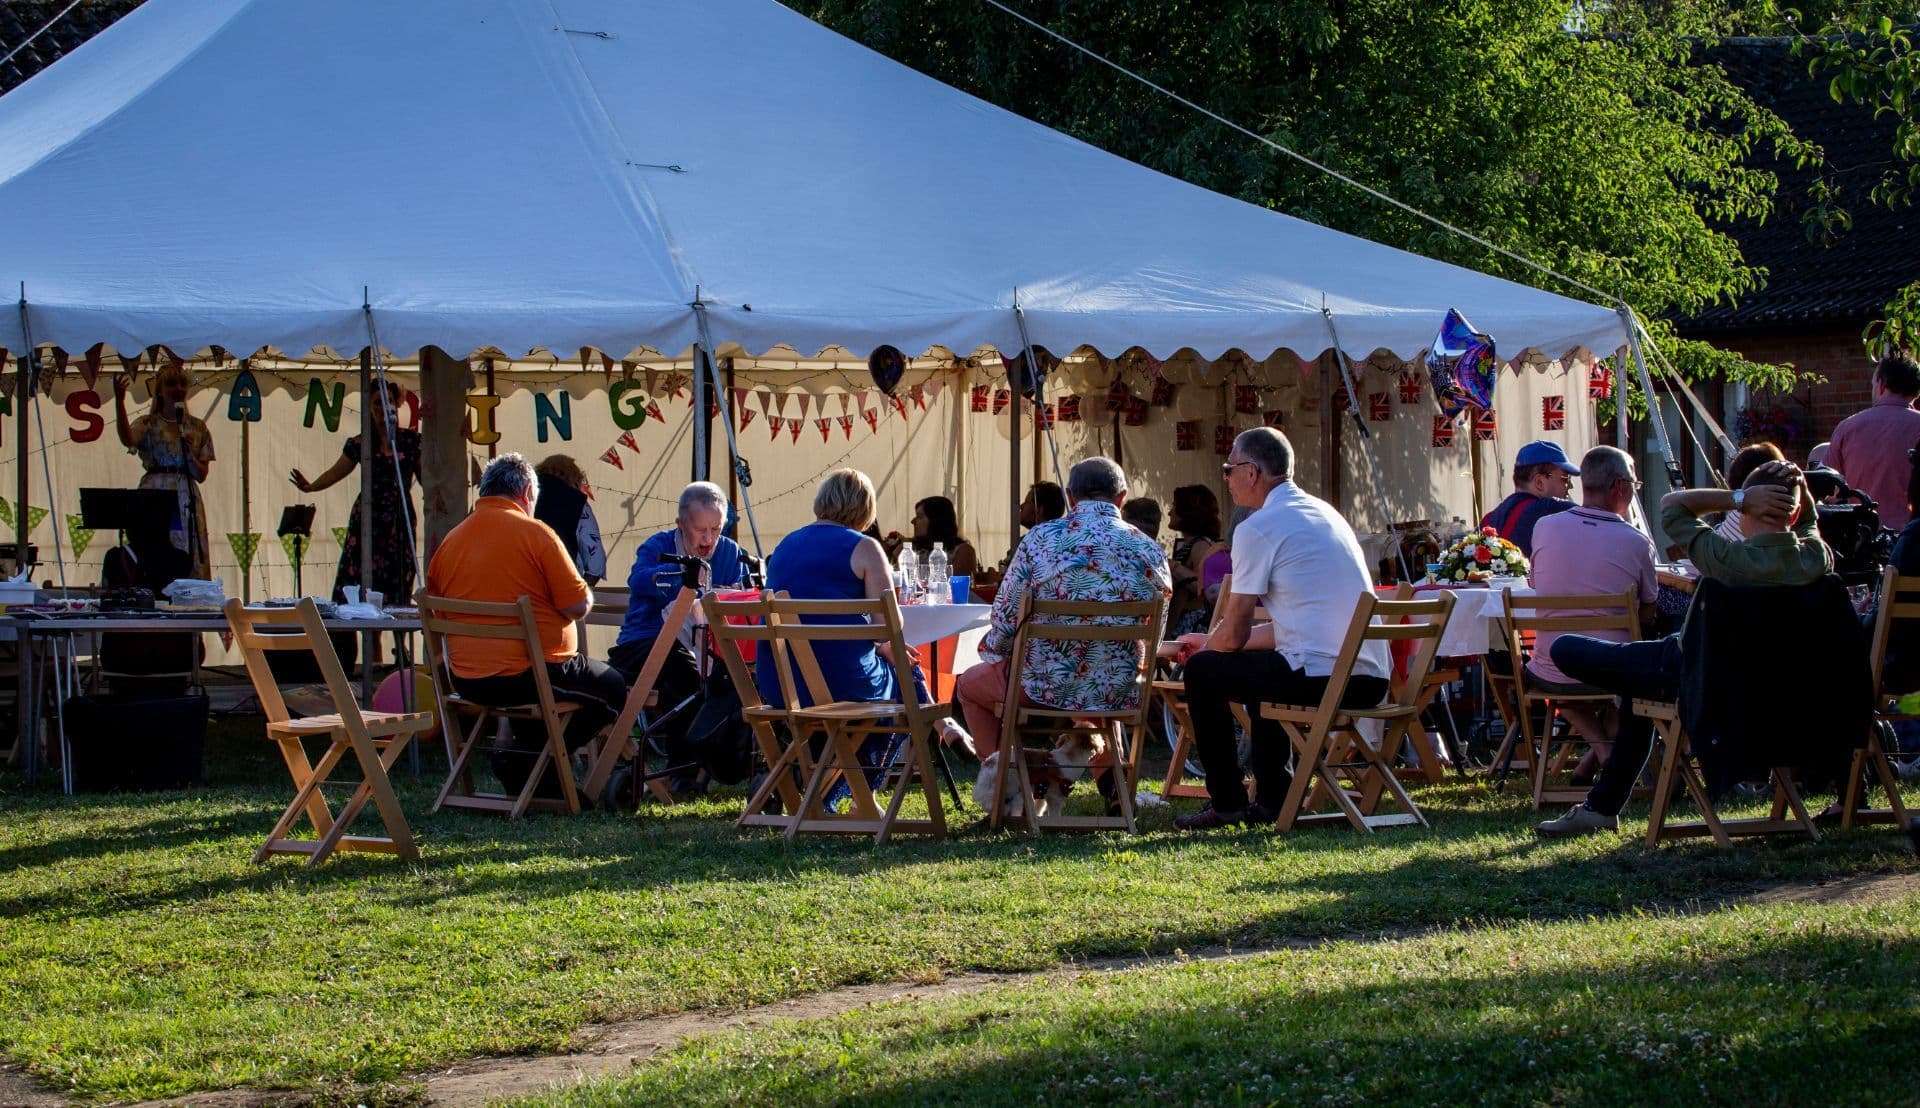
x=1481 y=557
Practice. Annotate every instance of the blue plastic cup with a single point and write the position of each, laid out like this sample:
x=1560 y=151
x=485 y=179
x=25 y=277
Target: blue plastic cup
x=962 y=589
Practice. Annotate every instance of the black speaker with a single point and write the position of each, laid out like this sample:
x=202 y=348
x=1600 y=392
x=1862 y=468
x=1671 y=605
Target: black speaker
x=136 y=742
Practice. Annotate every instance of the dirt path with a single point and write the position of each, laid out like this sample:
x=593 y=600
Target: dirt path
x=615 y=1048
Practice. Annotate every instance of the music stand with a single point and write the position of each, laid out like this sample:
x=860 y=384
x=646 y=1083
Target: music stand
x=297 y=520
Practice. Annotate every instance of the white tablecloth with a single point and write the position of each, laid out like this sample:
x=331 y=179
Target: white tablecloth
x=924 y=623
x=1474 y=627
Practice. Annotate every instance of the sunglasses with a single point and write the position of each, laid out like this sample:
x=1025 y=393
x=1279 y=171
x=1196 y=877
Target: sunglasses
x=1227 y=468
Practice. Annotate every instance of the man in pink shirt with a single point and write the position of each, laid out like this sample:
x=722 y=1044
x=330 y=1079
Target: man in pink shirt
x=1591 y=549
x=1869 y=448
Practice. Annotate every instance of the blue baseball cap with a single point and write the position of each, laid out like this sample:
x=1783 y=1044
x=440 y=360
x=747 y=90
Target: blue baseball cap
x=1541 y=452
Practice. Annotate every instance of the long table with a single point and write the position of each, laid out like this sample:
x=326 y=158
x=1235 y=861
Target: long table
x=57 y=635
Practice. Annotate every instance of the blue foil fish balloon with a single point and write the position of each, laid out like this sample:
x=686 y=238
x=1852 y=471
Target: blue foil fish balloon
x=1462 y=366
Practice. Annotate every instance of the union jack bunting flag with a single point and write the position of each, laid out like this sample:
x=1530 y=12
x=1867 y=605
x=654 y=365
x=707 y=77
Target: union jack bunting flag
x=1223 y=437
x=1136 y=412
x=1001 y=398
x=824 y=426
x=1069 y=411
x=1599 y=382
x=1342 y=400
x=774 y=424
x=1409 y=387
x=1186 y=435
x=1162 y=393
x=846 y=425
x=1486 y=427
x=872 y=416
x=1379 y=407
x=1442 y=432
x=1553 y=413
x=1246 y=399
x=979 y=398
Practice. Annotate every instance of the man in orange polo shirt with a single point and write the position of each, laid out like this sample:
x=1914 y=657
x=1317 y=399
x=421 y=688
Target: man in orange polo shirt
x=500 y=553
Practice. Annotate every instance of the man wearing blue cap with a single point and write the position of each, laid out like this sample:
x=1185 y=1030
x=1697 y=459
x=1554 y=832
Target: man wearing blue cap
x=1542 y=484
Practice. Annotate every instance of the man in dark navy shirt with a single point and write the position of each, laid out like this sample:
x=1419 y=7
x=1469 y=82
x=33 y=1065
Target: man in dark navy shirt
x=1542 y=484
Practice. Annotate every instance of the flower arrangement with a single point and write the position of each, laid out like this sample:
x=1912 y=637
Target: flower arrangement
x=1480 y=556
x=1769 y=423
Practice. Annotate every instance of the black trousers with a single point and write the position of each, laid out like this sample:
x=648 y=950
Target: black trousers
x=1650 y=670
x=1216 y=680
x=598 y=688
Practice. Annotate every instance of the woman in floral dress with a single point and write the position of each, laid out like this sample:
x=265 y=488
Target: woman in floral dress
x=176 y=450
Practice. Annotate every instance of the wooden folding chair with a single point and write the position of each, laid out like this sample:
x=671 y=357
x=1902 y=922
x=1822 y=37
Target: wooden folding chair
x=1676 y=768
x=442 y=618
x=617 y=744
x=1332 y=759
x=376 y=740
x=844 y=725
x=1896 y=603
x=1171 y=694
x=1138 y=622
x=1425 y=750
x=732 y=624
x=1545 y=757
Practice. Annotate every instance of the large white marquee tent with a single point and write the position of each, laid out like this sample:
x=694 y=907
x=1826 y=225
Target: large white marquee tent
x=512 y=175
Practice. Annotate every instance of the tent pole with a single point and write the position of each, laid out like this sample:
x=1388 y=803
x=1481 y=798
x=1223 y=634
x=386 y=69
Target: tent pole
x=1366 y=436
x=1631 y=325
x=1013 y=461
x=702 y=367
x=742 y=474
x=246 y=503
x=23 y=393
x=1039 y=394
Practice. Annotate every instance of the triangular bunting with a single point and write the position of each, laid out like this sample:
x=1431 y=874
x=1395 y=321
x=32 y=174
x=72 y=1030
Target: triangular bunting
x=919 y=395
x=652 y=378
x=6 y=512
x=340 y=536
x=90 y=364
x=803 y=399
x=34 y=515
x=612 y=458
x=793 y=427
x=653 y=409
x=79 y=535
x=846 y=425
x=627 y=440
x=824 y=426
x=739 y=399
x=846 y=402
x=899 y=405
x=774 y=423
x=872 y=417
x=746 y=417
x=244 y=546
x=293 y=545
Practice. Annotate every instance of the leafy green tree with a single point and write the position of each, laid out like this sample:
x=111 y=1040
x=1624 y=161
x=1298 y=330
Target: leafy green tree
x=1866 y=50
x=1582 y=137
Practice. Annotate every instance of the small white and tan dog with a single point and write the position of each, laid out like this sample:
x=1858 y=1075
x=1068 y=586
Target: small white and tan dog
x=1053 y=772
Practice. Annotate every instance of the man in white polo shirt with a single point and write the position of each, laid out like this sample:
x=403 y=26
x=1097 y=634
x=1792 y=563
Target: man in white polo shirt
x=1297 y=555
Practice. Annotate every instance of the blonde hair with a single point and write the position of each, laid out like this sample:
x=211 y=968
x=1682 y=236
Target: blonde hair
x=846 y=497
x=168 y=372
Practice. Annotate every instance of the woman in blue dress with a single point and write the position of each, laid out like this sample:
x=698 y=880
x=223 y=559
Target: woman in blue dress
x=830 y=559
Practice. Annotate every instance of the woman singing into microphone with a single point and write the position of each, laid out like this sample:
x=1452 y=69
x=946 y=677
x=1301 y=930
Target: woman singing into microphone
x=176 y=449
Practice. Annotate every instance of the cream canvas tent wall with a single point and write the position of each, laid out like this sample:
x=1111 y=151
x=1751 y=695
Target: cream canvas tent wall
x=600 y=174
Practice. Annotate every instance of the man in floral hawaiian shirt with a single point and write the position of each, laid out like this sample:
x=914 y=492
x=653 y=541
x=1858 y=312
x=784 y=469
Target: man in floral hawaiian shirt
x=1088 y=554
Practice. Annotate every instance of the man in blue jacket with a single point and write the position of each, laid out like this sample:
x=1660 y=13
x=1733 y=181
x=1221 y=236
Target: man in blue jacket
x=651 y=587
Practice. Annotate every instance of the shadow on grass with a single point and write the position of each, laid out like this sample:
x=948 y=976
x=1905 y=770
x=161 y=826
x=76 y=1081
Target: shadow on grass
x=1786 y=1019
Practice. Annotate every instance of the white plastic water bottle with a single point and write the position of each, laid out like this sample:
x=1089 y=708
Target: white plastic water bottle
x=939 y=585
x=906 y=576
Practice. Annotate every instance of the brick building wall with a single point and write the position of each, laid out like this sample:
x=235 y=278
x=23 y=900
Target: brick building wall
x=1833 y=352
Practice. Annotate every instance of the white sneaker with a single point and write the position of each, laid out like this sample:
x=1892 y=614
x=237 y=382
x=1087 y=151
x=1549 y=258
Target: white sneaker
x=1579 y=820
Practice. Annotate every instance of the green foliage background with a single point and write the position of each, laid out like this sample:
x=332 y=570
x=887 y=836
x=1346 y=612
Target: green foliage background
x=1582 y=138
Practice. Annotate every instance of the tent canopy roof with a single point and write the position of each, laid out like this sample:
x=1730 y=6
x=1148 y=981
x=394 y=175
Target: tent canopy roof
x=577 y=173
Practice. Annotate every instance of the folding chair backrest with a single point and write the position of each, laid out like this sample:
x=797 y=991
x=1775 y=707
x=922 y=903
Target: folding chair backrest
x=1136 y=621
x=443 y=618
x=878 y=622
x=1220 y=605
x=295 y=628
x=1377 y=620
x=609 y=607
x=733 y=622
x=1583 y=612
x=1899 y=600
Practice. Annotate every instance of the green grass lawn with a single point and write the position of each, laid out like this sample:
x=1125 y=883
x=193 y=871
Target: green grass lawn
x=143 y=954
x=1748 y=1006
